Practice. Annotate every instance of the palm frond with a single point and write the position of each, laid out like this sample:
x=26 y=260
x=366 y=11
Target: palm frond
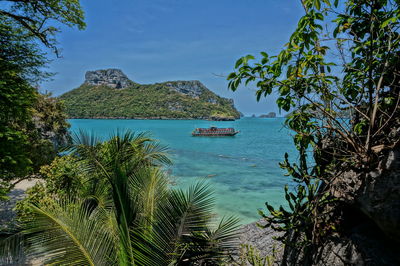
x=12 y=250
x=149 y=188
x=156 y=153
x=65 y=232
x=180 y=217
x=216 y=244
x=82 y=137
x=226 y=234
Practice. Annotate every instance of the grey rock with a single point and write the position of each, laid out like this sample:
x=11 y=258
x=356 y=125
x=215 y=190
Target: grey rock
x=175 y=106
x=232 y=103
x=222 y=118
x=113 y=78
x=379 y=199
x=261 y=240
x=269 y=115
x=212 y=100
x=376 y=193
x=369 y=207
x=192 y=88
x=357 y=249
x=363 y=245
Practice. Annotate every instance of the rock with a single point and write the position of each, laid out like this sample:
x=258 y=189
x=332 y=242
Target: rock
x=222 y=118
x=269 y=115
x=261 y=239
x=192 y=88
x=175 y=106
x=364 y=244
x=376 y=194
x=232 y=103
x=212 y=100
x=368 y=215
x=379 y=198
x=113 y=78
x=253 y=116
x=356 y=250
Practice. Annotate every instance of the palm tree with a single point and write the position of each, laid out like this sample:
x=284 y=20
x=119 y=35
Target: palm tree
x=127 y=213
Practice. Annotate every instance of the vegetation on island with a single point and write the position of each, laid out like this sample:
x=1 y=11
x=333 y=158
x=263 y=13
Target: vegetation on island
x=343 y=57
x=145 y=101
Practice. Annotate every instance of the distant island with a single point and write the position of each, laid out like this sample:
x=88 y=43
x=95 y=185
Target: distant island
x=110 y=94
x=269 y=115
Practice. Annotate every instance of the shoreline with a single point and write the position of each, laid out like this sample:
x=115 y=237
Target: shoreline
x=167 y=118
x=151 y=118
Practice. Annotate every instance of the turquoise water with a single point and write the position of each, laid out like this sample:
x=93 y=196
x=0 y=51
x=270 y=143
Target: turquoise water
x=243 y=169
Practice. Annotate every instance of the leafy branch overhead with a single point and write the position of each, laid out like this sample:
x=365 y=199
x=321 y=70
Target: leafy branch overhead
x=28 y=120
x=343 y=57
x=38 y=18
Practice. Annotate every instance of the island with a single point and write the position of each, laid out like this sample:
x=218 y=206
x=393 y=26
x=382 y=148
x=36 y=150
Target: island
x=110 y=94
x=269 y=115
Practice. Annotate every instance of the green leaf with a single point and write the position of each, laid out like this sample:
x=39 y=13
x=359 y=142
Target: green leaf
x=239 y=62
x=386 y=22
x=231 y=76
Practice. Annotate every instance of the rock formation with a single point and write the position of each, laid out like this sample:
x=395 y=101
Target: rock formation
x=113 y=78
x=192 y=88
x=222 y=118
x=368 y=213
x=269 y=115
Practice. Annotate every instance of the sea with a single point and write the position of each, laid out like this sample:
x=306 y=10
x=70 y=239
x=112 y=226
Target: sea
x=243 y=170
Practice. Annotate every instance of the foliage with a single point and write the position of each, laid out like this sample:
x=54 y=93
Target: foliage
x=48 y=130
x=17 y=97
x=143 y=101
x=250 y=255
x=118 y=208
x=24 y=146
x=39 y=18
x=32 y=138
x=61 y=178
x=342 y=57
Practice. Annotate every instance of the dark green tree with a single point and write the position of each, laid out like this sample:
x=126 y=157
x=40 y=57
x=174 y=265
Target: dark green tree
x=343 y=57
x=23 y=24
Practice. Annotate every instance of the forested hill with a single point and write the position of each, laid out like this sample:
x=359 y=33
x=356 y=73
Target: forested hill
x=110 y=94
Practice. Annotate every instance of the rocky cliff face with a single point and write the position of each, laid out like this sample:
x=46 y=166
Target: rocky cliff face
x=113 y=78
x=269 y=115
x=192 y=88
x=368 y=213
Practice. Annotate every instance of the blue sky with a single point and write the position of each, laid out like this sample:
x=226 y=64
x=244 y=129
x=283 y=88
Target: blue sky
x=161 y=40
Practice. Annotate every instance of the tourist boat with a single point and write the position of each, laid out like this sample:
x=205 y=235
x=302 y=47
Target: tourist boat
x=214 y=132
